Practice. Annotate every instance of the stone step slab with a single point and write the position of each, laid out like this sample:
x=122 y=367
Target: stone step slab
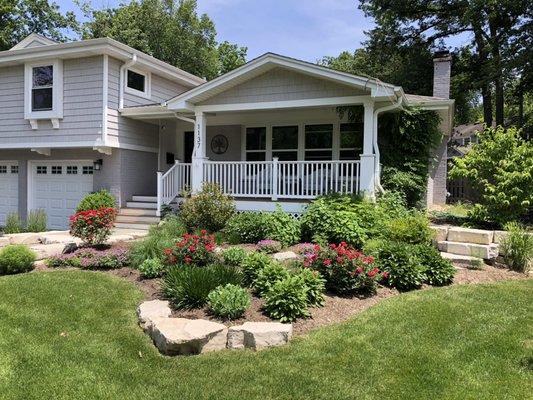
x=150 y=310
x=486 y=252
x=468 y=235
x=459 y=259
x=440 y=231
x=180 y=336
x=259 y=335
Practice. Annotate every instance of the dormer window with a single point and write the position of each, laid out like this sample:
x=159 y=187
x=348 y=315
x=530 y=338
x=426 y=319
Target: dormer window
x=42 y=88
x=138 y=83
x=43 y=94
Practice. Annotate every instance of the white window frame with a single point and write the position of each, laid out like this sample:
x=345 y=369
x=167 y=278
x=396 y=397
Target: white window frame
x=147 y=94
x=57 y=91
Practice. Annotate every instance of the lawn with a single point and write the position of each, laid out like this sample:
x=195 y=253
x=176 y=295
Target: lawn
x=73 y=335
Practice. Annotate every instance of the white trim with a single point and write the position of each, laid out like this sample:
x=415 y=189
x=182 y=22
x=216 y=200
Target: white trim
x=60 y=145
x=57 y=91
x=105 y=96
x=147 y=93
x=33 y=37
x=273 y=105
x=44 y=151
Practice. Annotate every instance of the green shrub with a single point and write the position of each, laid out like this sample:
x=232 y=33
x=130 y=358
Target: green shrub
x=36 y=221
x=15 y=259
x=188 y=286
x=439 y=271
x=209 y=209
x=402 y=264
x=247 y=227
x=97 y=200
x=13 y=224
x=269 y=275
x=159 y=238
x=151 y=268
x=499 y=169
x=412 y=228
x=234 y=256
x=252 y=264
x=283 y=227
x=340 y=218
x=315 y=285
x=286 y=300
x=517 y=247
x=409 y=185
x=229 y=301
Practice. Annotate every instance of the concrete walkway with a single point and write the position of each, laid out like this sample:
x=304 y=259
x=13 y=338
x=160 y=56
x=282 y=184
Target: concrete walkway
x=47 y=244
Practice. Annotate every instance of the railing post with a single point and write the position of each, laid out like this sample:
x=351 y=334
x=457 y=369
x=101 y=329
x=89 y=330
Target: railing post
x=275 y=170
x=159 y=193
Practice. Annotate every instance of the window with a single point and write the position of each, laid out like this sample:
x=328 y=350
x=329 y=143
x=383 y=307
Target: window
x=256 y=144
x=72 y=170
x=87 y=170
x=42 y=88
x=351 y=141
x=14 y=169
x=42 y=169
x=285 y=142
x=138 y=83
x=319 y=142
x=57 y=169
x=3 y=169
x=43 y=94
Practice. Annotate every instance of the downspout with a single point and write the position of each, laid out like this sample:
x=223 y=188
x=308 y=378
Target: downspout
x=377 y=166
x=122 y=73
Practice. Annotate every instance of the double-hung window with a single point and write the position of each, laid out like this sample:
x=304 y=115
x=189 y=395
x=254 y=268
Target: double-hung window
x=43 y=95
x=42 y=98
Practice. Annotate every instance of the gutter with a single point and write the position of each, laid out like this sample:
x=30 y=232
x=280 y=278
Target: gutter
x=122 y=79
x=377 y=166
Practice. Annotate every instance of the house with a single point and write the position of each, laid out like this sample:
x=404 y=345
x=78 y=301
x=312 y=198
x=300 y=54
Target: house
x=81 y=116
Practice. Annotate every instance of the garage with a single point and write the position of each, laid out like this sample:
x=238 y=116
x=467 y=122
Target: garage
x=9 y=189
x=57 y=187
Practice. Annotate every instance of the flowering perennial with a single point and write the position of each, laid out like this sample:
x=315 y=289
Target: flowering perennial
x=91 y=258
x=93 y=226
x=196 y=250
x=269 y=246
x=345 y=269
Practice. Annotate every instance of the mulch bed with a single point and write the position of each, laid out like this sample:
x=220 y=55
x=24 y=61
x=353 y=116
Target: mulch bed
x=336 y=309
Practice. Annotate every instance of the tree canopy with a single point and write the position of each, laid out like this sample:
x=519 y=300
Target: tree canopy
x=170 y=30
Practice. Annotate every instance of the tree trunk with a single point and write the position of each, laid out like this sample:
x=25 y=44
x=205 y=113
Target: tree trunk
x=486 y=94
x=498 y=71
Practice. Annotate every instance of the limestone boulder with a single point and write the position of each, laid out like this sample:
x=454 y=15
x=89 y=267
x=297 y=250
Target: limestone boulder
x=150 y=310
x=285 y=256
x=27 y=238
x=259 y=335
x=180 y=336
x=467 y=235
x=440 y=231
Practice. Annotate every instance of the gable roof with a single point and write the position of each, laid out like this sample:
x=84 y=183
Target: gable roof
x=269 y=61
x=33 y=40
x=21 y=53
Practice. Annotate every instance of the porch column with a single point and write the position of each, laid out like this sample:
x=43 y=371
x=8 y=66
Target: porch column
x=198 y=154
x=367 y=172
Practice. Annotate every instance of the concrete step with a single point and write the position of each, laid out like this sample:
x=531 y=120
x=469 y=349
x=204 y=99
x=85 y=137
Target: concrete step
x=468 y=235
x=127 y=225
x=144 y=205
x=134 y=219
x=469 y=249
x=459 y=259
x=144 y=199
x=141 y=212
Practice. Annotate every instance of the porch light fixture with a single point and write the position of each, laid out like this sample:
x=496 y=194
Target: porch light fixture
x=98 y=164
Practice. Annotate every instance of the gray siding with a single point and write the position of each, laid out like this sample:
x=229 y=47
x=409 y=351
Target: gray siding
x=233 y=134
x=82 y=105
x=281 y=84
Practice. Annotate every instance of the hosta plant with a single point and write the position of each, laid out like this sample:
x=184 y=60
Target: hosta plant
x=286 y=300
x=229 y=301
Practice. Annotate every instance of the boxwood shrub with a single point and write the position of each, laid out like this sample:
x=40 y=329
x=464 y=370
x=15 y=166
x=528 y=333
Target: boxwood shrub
x=15 y=259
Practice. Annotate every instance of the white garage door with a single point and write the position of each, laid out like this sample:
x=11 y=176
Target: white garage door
x=9 y=189
x=58 y=186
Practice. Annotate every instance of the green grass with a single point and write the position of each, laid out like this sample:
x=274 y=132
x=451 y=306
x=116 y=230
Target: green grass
x=462 y=342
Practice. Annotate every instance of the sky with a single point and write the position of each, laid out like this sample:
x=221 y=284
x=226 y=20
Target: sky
x=303 y=29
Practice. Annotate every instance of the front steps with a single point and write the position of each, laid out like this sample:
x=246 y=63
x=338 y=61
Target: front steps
x=139 y=213
x=465 y=245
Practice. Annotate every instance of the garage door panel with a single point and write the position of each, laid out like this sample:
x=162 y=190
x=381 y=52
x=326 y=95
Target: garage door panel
x=59 y=193
x=8 y=189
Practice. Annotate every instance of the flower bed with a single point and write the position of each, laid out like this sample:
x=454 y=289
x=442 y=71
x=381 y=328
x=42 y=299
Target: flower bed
x=92 y=258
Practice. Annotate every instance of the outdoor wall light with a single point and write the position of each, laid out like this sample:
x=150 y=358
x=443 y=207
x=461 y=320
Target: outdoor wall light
x=98 y=164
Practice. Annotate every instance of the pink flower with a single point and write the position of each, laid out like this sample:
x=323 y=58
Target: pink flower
x=327 y=262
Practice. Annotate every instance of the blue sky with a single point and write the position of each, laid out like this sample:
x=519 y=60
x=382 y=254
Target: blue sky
x=304 y=29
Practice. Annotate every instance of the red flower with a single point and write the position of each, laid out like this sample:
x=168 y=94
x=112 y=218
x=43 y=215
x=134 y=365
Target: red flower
x=373 y=273
x=385 y=275
x=359 y=270
x=327 y=262
x=168 y=252
x=187 y=260
x=368 y=260
x=203 y=232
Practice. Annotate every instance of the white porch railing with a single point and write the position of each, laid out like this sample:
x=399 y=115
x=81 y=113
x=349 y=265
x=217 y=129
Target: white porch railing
x=284 y=179
x=172 y=183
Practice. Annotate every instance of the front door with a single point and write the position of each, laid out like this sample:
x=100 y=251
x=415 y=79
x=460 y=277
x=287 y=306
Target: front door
x=188 y=146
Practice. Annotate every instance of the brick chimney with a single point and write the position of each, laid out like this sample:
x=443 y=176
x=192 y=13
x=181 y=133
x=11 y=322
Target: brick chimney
x=442 y=68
